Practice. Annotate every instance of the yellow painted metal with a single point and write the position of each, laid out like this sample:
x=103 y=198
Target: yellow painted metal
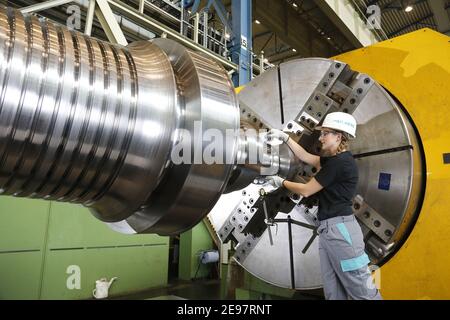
x=415 y=68
x=238 y=89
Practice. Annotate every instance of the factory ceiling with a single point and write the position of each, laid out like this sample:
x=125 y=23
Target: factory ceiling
x=288 y=29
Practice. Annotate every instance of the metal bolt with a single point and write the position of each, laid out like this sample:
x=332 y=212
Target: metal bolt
x=289 y=126
x=377 y=223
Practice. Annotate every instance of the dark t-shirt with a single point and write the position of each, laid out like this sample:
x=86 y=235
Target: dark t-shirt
x=338 y=176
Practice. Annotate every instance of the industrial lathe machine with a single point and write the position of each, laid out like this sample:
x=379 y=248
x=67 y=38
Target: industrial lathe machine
x=153 y=138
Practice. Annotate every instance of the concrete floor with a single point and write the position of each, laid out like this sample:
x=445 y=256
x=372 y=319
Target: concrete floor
x=202 y=289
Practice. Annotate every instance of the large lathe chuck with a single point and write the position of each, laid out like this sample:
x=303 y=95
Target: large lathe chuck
x=295 y=97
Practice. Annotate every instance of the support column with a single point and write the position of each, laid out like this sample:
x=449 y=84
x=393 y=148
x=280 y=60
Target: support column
x=242 y=40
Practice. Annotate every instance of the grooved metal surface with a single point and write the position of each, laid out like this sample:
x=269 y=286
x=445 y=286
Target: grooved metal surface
x=88 y=122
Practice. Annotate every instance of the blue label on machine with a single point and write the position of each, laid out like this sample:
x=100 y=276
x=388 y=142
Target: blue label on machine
x=384 y=182
x=446 y=158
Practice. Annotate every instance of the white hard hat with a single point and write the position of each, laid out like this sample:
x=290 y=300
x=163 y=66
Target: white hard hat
x=340 y=121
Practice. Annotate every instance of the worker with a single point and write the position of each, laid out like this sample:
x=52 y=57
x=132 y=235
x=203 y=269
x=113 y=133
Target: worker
x=344 y=263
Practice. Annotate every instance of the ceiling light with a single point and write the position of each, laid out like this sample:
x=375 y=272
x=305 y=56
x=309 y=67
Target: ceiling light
x=294 y=50
x=328 y=38
x=294 y=5
x=409 y=8
x=227 y=36
x=257 y=22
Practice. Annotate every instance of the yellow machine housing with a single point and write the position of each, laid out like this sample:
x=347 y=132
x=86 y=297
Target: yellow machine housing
x=415 y=69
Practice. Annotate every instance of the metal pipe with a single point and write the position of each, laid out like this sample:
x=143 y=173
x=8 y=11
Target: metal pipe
x=291 y=253
x=205 y=29
x=196 y=22
x=181 y=18
x=89 y=18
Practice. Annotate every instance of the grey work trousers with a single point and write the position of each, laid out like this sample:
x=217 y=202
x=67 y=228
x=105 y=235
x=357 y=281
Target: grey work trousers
x=343 y=261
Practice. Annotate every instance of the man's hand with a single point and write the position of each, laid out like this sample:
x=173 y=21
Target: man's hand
x=277 y=134
x=275 y=181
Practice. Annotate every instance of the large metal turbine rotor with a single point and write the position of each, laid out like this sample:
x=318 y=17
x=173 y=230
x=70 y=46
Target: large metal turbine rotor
x=88 y=122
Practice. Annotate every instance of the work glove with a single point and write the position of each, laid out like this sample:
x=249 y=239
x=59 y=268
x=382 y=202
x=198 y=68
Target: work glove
x=275 y=134
x=275 y=181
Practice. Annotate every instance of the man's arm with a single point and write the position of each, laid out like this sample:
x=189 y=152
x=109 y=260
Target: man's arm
x=304 y=189
x=304 y=155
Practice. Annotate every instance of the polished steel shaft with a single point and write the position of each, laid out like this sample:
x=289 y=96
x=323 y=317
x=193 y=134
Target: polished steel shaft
x=89 y=122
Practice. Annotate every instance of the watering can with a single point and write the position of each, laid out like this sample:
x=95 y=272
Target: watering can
x=102 y=288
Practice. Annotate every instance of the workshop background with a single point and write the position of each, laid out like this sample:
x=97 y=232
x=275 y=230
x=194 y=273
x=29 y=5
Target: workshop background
x=52 y=249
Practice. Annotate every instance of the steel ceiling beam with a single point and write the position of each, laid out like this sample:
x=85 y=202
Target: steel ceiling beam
x=347 y=20
x=43 y=6
x=410 y=25
x=441 y=16
x=109 y=23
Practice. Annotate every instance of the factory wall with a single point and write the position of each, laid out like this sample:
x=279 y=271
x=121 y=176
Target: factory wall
x=192 y=242
x=51 y=250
